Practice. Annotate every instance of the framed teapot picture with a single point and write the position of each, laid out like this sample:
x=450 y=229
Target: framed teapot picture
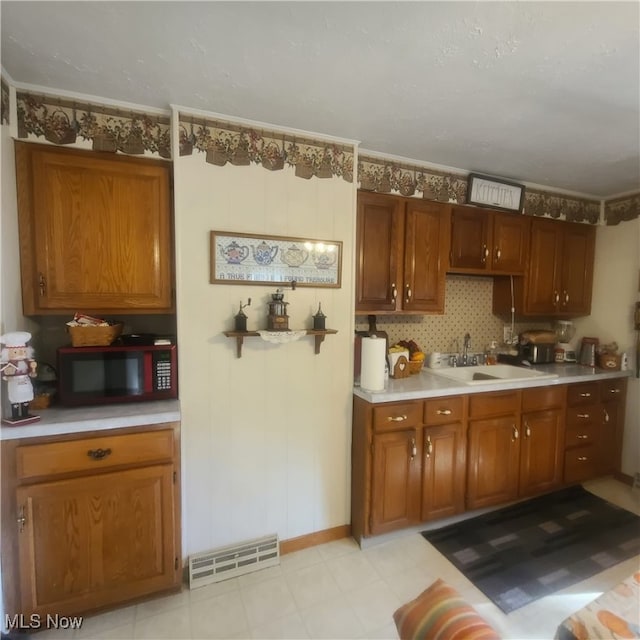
x=246 y=258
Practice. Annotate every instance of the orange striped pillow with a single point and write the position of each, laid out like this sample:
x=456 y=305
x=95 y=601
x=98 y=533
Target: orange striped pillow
x=440 y=613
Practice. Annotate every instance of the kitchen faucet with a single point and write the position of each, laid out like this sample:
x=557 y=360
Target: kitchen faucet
x=465 y=348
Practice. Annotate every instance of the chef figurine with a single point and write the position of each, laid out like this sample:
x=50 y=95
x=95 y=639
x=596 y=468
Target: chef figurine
x=18 y=367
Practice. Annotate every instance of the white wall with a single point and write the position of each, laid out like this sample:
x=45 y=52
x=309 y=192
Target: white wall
x=266 y=438
x=615 y=291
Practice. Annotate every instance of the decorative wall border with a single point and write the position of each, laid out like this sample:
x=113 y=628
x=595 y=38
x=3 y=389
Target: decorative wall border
x=385 y=176
x=223 y=142
x=622 y=209
x=4 y=102
x=63 y=121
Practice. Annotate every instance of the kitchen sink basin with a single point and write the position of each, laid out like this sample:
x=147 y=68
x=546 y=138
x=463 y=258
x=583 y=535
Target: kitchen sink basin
x=487 y=374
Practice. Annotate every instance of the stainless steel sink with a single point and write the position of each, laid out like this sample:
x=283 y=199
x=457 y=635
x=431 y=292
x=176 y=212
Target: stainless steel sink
x=488 y=374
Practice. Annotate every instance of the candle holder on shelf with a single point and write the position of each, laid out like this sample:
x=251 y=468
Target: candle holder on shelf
x=241 y=317
x=319 y=319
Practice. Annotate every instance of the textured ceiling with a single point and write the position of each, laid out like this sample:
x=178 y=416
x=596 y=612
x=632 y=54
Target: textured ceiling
x=540 y=92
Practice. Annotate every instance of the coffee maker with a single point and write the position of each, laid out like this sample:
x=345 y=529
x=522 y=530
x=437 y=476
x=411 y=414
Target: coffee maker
x=565 y=349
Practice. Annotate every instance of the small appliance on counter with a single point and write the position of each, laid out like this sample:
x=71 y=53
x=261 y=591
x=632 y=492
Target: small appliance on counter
x=537 y=346
x=565 y=350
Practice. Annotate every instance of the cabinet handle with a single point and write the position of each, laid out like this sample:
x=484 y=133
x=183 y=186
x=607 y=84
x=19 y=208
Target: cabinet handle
x=408 y=293
x=42 y=284
x=614 y=390
x=394 y=292
x=527 y=430
x=585 y=395
x=414 y=450
x=98 y=454
x=444 y=412
x=556 y=297
x=429 y=447
x=485 y=253
x=583 y=415
x=396 y=418
x=498 y=254
x=582 y=459
x=516 y=433
x=606 y=415
x=21 y=520
x=582 y=436
x=566 y=298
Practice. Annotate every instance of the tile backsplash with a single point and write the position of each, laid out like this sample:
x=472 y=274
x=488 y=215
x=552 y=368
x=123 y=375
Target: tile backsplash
x=468 y=309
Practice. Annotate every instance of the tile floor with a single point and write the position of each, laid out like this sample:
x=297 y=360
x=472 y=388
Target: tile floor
x=337 y=590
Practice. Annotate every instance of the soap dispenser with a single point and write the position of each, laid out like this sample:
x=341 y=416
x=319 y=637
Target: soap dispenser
x=491 y=356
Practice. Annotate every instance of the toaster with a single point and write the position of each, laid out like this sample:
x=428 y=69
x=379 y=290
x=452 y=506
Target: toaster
x=542 y=353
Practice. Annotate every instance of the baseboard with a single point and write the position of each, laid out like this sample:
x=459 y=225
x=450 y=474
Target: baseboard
x=623 y=477
x=313 y=539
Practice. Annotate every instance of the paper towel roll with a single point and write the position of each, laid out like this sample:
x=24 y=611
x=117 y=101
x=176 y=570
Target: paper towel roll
x=372 y=363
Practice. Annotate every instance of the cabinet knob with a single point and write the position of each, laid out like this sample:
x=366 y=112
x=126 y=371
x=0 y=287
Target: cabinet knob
x=396 y=418
x=21 y=520
x=42 y=284
x=414 y=449
x=98 y=454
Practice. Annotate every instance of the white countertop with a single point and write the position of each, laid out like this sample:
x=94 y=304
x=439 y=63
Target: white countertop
x=58 y=421
x=428 y=385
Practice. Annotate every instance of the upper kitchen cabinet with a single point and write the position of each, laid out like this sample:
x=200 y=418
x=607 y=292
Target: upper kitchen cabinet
x=559 y=278
x=95 y=232
x=488 y=242
x=401 y=249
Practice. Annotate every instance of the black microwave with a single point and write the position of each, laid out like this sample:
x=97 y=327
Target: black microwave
x=103 y=375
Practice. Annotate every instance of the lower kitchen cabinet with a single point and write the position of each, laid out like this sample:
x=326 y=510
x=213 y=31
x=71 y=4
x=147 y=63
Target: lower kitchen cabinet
x=542 y=445
x=97 y=518
x=493 y=459
x=395 y=481
x=443 y=458
x=613 y=395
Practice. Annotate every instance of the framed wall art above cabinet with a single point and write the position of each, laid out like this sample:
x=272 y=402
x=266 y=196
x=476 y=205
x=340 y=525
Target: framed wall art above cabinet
x=95 y=232
x=401 y=254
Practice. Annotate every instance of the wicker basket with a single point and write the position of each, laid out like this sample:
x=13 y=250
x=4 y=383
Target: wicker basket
x=415 y=366
x=90 y=336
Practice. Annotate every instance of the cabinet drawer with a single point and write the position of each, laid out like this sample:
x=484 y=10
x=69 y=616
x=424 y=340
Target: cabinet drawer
x=611 y=390
x=443 y=410
x=583 y=393
x=541 y=398
x=589 y=414
x=397 y=416
x=493 y=404
x=580 y=464
x=94 y=454
x=586 y=434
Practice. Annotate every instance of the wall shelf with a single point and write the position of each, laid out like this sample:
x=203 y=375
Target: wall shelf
x=318 y=335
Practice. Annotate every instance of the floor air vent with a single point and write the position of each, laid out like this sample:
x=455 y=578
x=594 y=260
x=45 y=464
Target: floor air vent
x=235 y=560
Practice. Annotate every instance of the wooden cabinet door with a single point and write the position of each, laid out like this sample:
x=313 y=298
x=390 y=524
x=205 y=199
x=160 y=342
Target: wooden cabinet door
x=95 y=231
x=613 y=398
x=395 y=485
x=470 y=240
x=379 y=251
x=541 y=451
x=576 y=278
x=543 y=278
x=493 y=461
x=443 y=471
x=510 y=243
x=93 y=541
x=427 y=226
